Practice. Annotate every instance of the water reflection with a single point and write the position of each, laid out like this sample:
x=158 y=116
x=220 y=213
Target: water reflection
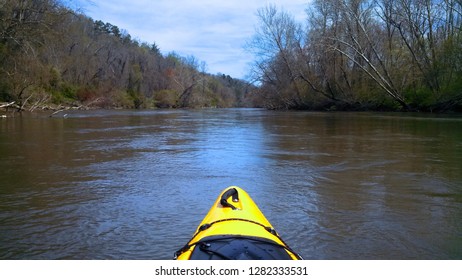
x=366 y=178
x=135 y=184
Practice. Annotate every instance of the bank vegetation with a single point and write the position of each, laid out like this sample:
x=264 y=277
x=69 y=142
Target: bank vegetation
x=55 y=57
x=401 y=55
x=361 y=55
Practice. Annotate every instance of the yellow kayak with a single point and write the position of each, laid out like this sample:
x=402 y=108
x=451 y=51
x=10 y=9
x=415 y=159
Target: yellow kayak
x=235 y=229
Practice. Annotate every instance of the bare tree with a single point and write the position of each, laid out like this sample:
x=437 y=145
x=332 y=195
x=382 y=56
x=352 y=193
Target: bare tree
x=362 y=48
x=275 y=46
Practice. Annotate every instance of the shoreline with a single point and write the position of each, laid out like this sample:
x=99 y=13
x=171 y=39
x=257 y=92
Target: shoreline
x=4 y=113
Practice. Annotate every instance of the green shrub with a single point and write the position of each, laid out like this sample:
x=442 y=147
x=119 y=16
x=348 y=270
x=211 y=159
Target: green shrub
x=166 y=98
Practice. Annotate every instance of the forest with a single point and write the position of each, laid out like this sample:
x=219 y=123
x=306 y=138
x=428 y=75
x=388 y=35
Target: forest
x=52 y=57
x=383 y=55
x=398 y=55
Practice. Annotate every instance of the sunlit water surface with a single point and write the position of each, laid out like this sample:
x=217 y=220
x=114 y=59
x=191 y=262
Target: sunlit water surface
x=136 y=184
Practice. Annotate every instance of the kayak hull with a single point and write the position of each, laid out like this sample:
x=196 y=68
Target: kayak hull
x=235 y=228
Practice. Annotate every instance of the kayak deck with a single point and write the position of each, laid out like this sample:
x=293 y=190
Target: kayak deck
x=235 y=228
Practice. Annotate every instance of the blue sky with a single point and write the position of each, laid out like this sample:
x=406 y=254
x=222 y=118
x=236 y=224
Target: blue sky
x=212 y=31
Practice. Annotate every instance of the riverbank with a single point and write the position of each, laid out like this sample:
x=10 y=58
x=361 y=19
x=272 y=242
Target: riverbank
x=11 y=108
x=450 y=107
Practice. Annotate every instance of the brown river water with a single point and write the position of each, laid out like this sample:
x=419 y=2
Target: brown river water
x=136 y=184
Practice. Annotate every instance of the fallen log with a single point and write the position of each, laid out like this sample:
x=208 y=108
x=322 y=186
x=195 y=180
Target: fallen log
x=6 y=105
x=67 y=108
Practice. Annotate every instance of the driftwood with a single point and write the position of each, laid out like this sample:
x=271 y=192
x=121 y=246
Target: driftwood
x=65 y=109
x=8 y=105
x=57 y=109
x=80 y=107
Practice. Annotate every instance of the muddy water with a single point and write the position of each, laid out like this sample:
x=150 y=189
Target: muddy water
x=135 y=184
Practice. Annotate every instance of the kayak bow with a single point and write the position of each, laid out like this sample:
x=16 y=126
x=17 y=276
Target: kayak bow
x=235 y=229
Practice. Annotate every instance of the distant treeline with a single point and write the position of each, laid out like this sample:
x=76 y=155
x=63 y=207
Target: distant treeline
x=51 y=55
x=358 y=54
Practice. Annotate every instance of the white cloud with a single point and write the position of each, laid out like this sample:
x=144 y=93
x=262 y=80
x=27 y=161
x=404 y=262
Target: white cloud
x=212 y=31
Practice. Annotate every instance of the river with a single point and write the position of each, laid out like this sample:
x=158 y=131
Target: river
x=136 y=184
